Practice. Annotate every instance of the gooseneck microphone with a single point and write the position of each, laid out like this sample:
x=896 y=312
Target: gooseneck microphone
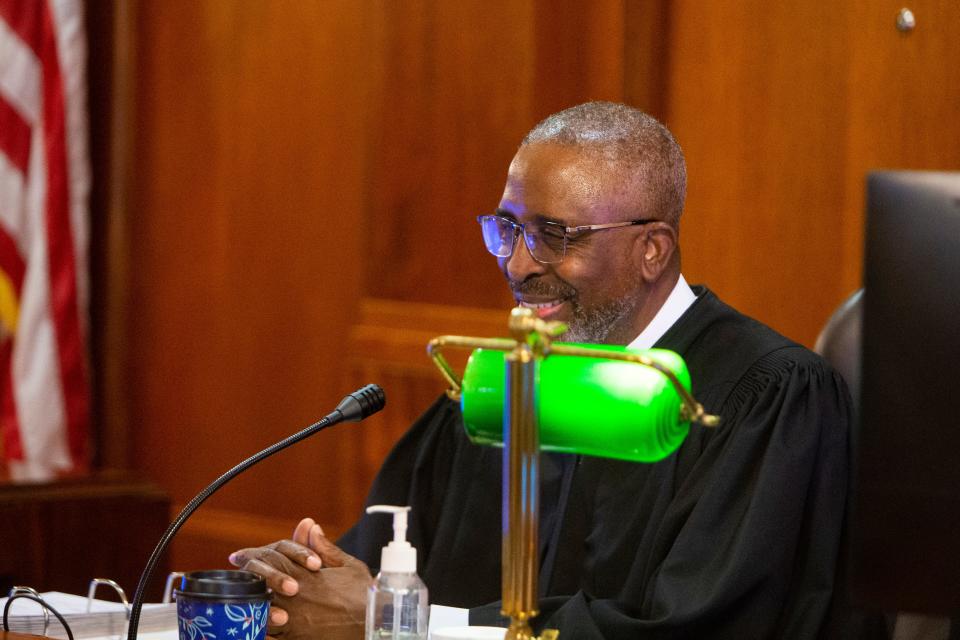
x=353 y=408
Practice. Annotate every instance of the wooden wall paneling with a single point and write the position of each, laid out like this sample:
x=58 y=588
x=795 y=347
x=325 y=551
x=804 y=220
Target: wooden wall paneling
x=579 y=53
x=291 y=205
x=468 y=80
x=646 y=58
x=247 y=197
x=111 y=71
x=283 y=162
x=906 y=111
x=288 y=162
x=758 y=100
x=781 y=113
x=388 y=345
x=461 y=84
x=452 y=101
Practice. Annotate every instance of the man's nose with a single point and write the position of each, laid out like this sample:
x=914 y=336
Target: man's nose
x=521 y=263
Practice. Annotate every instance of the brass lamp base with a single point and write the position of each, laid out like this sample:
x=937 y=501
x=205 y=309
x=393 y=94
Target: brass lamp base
x=520 y=630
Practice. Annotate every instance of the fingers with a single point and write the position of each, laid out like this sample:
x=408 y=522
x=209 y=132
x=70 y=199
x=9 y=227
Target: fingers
x=308 y=534
x=237 y=559
x=276 y=579
x=301 y=533
x=330 y=554
x=317 y=540
x=300 y=554
x=243 y=556
x=278 y=616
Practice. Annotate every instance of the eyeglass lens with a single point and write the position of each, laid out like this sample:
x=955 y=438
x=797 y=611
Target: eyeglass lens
x=498 y=235
x=546 y=242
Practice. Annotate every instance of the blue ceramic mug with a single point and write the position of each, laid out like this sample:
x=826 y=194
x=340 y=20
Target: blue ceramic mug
x=222 y=605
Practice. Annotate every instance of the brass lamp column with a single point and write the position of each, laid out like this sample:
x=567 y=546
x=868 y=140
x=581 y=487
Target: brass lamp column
x=521 y=477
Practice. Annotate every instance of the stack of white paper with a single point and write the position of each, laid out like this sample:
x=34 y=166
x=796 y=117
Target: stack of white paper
x=105 y=619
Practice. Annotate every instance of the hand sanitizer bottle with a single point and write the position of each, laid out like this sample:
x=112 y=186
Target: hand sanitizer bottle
x=397 y=600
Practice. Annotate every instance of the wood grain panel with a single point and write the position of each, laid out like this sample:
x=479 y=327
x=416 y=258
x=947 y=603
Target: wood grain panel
x=906 y=106
x=579 y=54
x=388 y=345
x=112 y=70
x=244 y=206
x=757 y=100
x=453 y=98
x=460 y=85
x=646 y=59
x=285 y=164
x=781 y=111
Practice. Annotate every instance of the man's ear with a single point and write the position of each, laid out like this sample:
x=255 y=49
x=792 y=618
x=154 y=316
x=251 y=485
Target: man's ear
x=654 y=250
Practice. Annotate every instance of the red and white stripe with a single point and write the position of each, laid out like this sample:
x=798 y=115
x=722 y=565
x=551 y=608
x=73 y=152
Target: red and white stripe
x=44 y=191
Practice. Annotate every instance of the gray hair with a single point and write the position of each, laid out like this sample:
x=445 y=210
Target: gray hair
x=631 y=140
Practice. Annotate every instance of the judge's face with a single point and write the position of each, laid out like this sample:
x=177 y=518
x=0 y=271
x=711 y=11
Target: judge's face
x=597 y=288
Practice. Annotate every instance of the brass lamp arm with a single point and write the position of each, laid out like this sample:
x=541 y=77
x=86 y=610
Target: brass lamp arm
x=435 y=347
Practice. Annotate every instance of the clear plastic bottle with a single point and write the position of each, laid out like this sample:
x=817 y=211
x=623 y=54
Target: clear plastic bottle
x=397 y=605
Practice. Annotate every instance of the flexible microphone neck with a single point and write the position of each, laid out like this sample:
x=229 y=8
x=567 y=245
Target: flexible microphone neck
x=354 y=407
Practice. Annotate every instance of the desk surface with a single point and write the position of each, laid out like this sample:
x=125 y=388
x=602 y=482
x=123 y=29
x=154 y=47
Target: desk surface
x=13 y=635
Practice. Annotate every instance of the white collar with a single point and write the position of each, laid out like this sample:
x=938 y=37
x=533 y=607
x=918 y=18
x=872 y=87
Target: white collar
x=676 y=304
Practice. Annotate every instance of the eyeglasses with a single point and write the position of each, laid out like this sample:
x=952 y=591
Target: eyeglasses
x=547 y=241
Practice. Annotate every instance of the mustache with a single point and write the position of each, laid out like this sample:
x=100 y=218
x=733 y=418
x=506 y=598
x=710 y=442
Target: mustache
x=538 y=287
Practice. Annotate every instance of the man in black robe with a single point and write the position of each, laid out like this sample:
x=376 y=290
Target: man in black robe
x=735 y=535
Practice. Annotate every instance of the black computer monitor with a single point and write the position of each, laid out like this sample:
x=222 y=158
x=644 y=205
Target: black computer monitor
x=905 y=524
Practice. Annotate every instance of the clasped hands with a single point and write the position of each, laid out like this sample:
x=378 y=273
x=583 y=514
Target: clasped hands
x=319 y=589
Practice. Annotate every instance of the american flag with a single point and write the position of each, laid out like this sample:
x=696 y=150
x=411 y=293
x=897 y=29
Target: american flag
x=44 y=189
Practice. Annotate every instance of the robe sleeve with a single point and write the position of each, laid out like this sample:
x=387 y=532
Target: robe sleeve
x=415 y=471
x=453 y=489
x=748 y=544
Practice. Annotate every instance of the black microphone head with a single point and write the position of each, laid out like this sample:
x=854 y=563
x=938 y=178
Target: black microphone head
x=363 y=402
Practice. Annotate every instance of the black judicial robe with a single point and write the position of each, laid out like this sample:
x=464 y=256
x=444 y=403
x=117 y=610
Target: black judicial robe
x=735 y=535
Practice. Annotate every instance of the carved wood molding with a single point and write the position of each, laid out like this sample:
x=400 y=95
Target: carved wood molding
x=388 y=346
x=394 y=334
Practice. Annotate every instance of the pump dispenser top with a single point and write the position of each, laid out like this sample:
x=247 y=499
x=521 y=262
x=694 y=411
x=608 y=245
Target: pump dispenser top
x=397 y=607
x=398 y=556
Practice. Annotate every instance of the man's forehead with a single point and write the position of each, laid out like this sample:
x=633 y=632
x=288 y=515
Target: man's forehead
x=563 y=182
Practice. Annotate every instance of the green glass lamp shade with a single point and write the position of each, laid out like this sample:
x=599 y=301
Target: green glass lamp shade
x=591 y=406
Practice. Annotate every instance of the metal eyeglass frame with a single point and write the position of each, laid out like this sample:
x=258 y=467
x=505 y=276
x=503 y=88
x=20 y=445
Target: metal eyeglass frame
x=520 y=228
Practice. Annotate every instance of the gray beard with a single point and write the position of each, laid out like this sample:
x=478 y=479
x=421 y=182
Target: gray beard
x=595 y=324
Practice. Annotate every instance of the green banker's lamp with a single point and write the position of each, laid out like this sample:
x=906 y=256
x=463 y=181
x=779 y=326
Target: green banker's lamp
x=529 y=393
